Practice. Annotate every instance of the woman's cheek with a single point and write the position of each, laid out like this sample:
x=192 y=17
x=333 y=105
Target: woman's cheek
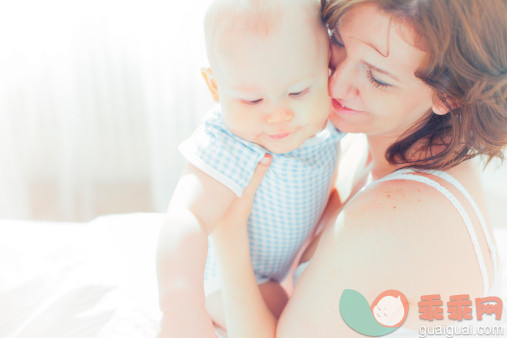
x=389 y=106
x=371 y=100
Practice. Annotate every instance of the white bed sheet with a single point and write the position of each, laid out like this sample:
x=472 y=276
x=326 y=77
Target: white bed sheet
x=96 y=279
x=76 y=280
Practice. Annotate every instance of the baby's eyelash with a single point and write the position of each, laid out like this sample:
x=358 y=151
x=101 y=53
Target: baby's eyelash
x=252 y=102
x=300 y=93
x=375 y=82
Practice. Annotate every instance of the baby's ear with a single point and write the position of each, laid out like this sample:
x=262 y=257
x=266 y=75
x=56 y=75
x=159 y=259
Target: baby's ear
x=211 y=82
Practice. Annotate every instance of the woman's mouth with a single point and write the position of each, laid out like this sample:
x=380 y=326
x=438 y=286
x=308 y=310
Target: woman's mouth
x=340 y=109
x=280 y=135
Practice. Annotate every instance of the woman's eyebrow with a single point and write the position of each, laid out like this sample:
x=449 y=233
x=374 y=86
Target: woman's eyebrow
x=381 y=71
x=338 y=37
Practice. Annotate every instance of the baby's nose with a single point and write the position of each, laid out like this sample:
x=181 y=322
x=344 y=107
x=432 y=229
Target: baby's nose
x=280 y=116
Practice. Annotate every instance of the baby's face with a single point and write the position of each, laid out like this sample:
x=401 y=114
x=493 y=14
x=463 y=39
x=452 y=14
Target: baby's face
x=389 y=311
x=273 y=90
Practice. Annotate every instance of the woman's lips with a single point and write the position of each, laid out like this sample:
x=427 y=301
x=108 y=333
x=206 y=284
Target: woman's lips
x=280 y=135
x=339 y=109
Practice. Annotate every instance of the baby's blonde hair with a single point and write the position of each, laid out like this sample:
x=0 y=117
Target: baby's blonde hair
x=259 y=17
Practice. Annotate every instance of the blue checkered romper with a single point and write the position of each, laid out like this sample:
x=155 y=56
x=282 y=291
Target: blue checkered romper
x=288 y=202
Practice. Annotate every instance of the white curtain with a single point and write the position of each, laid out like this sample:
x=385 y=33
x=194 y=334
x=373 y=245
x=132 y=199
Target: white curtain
x=95 y=95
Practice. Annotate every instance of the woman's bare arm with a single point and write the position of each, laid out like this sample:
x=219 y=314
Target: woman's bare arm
x=400 y=235
x=397 y=235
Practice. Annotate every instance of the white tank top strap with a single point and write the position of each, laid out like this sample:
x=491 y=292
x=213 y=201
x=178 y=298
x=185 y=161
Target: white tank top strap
x=477 y=211
x=407 y=174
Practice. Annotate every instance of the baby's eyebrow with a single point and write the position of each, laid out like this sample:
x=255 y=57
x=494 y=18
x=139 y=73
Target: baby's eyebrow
x=244 y=88
x=238 y=90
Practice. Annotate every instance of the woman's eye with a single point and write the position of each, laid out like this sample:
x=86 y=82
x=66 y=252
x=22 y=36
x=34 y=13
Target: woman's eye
x=252 y=102
x=300 y=93
x=376 y=82
x=334 y=39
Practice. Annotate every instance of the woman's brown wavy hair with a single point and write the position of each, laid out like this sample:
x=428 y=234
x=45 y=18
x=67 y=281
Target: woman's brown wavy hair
x=466 y=67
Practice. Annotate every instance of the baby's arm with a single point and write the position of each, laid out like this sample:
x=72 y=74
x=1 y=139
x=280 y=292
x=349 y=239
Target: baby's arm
x=197 y=204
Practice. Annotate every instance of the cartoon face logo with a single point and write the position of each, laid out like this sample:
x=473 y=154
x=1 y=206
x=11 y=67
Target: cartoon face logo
x=385 y=315
x=390 y=308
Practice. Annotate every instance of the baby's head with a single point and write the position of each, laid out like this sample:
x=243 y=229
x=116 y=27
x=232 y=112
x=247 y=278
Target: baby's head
x=269 y=69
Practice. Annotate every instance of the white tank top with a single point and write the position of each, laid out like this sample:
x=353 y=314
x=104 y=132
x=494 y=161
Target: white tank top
x=410 y=174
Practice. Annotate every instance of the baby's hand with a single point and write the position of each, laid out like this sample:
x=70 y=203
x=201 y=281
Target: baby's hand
x=197 y=325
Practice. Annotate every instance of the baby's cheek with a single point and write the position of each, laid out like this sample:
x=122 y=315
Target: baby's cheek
x=320 y=106
x=243 y=125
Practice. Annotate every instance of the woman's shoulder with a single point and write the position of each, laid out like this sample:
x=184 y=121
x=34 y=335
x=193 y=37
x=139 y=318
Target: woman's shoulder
x=404 y=211
x=413 y=193
x=400 y=204
x=400 y=234
x=413 y=215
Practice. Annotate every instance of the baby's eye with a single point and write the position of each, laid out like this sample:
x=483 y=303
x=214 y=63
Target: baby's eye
x=300 y=93
x=252 y=102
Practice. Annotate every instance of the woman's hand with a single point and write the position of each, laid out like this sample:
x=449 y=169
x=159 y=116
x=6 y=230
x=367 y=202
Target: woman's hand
x=246 y=313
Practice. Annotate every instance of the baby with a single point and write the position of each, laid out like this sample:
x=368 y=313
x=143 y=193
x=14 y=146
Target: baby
x=269 y=73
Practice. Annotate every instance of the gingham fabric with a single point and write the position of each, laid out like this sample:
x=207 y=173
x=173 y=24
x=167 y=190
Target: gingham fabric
x=288 y=202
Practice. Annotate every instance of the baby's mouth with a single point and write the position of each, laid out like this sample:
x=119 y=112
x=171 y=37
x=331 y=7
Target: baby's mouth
x=280 y=136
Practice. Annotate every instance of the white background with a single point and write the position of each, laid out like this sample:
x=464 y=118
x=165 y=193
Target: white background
x=95 y=96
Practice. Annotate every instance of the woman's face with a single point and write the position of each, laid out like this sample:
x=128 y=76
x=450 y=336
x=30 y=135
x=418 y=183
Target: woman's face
x=372 y=87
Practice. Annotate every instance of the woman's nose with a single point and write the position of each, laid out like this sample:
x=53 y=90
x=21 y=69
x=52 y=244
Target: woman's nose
x=342 y=80
x=279 y=115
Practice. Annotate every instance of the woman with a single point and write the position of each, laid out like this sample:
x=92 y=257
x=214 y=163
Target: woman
x=425 y=81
